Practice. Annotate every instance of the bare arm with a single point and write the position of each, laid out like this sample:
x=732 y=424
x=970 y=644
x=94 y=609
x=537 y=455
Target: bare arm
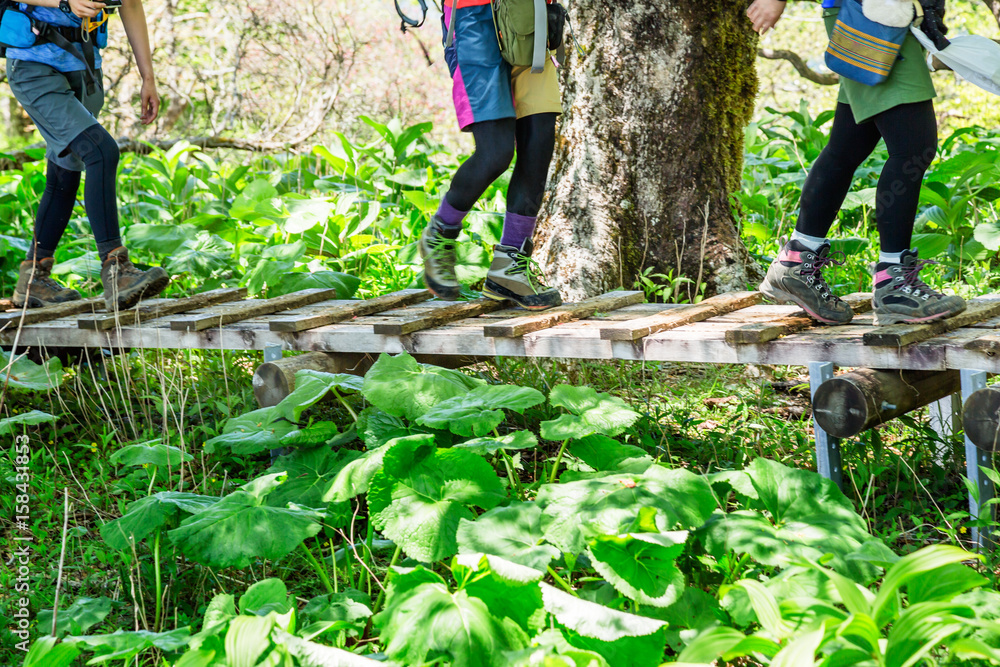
x=134 y=18
x=85 y=9
x=764 y=14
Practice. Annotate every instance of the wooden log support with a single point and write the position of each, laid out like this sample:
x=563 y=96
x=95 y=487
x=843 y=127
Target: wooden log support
x=254 y=309
x=899 y=335
x=765 y=332
x=573 y=311
x=981 y=418
x=333 y=314
x=854 y=402
x=49 y=313
x=451 y=312
x=721 y=304
x=151 y=311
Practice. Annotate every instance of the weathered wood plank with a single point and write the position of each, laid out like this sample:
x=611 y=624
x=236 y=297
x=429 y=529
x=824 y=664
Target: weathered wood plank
x=678 y=317
x=266 y=307
x=35 y=315
x=435 y=318
x=334 y=314
x=571 y=311
x=152 y=311
x=765 y=332
x=898 y=335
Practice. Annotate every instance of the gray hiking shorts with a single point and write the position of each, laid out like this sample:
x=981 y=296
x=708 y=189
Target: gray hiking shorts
x=58 y=104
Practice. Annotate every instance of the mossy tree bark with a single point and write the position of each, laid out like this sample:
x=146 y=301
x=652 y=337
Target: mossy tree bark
x=650 y=147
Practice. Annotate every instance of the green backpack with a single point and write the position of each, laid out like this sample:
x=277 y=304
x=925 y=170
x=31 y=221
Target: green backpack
x=522 y=29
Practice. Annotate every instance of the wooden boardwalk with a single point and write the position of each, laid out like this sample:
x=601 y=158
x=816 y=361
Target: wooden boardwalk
x=614 y=326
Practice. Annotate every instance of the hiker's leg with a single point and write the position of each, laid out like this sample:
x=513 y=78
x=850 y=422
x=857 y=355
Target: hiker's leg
x=99 y=152
x=910 y=132
x=54 y=210
x=536 y=137
x=493 y=154
x=831 y=175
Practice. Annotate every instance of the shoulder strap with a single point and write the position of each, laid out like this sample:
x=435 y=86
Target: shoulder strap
x=450 y=39
x=541 y=37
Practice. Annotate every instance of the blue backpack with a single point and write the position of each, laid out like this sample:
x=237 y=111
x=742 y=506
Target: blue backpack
x=861 y=49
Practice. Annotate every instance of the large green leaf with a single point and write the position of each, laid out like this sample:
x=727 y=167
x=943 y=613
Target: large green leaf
x=310 y=654
x=490 y=446
x=317 y=434
x=311 y=387
x=550 y=649
x=311 y=474
x=513 y=532
x=345 y=284
x=641 y=565
x=266 y=596
x=420 y=495
x=402 y=387
x=922 y=628
x=77 y=618
x=253 y=432
x=26 y=374
x=32 y=418
x=45 y=652
x=606 y=454
x=153 y=453
x=377 y=428
x=620 y=637
x=347 y=610
x=610 y=505
x=163 y=240
x=481 y=410
x=427 y=620
x=725 y=643
x=508 y=589
x=590 y=412
x=241 y=528
x=908 y=568
x=121 y=645
x=150 y=514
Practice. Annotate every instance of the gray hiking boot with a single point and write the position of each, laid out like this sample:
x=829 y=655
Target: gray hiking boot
x=36 y=286
x=796 y=276
x=514 y=275
x=124 y=284
x=900 y=295
x=437 y=247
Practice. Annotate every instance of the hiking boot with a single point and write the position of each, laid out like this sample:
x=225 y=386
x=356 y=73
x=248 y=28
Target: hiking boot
x=514 y=275
x=124 y=284
x=36 y=286
x=900 y=295
x=796 y=276
x=437 y=247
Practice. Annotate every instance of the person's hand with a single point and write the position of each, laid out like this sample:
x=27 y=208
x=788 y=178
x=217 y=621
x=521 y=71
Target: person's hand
x=764 y=14
x=150 y=101
x=86 y=9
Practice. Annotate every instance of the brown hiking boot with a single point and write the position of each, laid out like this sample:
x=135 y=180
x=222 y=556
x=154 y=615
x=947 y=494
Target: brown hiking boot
x=124 y=285
x=36 y=286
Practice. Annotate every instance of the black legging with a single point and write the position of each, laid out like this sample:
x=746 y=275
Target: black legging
x=100 y=155
x=910 y=133
x=534 y=136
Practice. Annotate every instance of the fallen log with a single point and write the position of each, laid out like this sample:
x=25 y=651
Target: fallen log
x=848 y=404
x=981 y=418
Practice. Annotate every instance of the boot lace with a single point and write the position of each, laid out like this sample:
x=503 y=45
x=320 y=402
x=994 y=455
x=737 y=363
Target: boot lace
x=529 y=268
x=913 y=285
x=443 y=255
x=125 y=267
x=43 y=278
x=812 y=271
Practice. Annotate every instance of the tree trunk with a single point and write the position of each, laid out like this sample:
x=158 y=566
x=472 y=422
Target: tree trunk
x=651 y=146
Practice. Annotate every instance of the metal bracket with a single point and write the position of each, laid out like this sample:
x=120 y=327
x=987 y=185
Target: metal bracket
x=272 y=352
x=828 y=454
x=974 y=458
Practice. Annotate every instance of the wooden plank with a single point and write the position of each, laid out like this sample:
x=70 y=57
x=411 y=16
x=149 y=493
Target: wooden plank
x=898 y=335
x=435 y=318
x=334 y=314
x=35 y=315
x=764 y=332
x=678 y=317
x=571 y=311
x=152 y=311
x=287 y=302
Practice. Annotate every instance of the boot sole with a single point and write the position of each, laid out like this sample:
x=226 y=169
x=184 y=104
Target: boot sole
x=781 y=296
x=129 y=299
x=35 y=302
x=886 y=319
x=499 y=294
x=442 y=292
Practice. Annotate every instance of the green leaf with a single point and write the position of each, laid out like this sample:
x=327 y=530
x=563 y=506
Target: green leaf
x=988 y=233
x=310 y=388
x=513 y=532
x=152 y=453
x=247 y=639
x=45 y=652
x=620 y=637
x=377 y=428
x=641 y=565
x=402 y=387
x=252 y=432
x=150 y=514
x=26 y=374
x=420 y=495
x=490 y=446
x=121 y=645
x=10 y=424
x=766 y=608
x=311 y=475
x=604 y=453
x=725 y=643
x=427 y=620
x=908 y=568
x=346 y=610
x=606 y=414
x=316 y=434
x=610 y=505
x=355 y=477
x=944 y=583
x=800 y=652
x=922 y=628
x=240 y=528
x=550 y=649
x=266 y=596
x=345 y=284
x=163 y=240
x=481 y=410
x=931 y=245
x=77 y=618
x=310 y=654
x=508 y=589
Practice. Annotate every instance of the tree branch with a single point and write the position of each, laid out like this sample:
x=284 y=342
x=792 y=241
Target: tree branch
x=800 y=66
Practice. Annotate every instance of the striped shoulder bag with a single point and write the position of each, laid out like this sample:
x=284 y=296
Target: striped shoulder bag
x=864 y=50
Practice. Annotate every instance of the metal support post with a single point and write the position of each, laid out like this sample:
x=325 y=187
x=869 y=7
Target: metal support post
x=974 y=458
x=828 y=455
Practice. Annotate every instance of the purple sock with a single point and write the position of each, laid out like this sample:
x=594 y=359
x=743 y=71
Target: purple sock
x=449 y=215
x=517 y=229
